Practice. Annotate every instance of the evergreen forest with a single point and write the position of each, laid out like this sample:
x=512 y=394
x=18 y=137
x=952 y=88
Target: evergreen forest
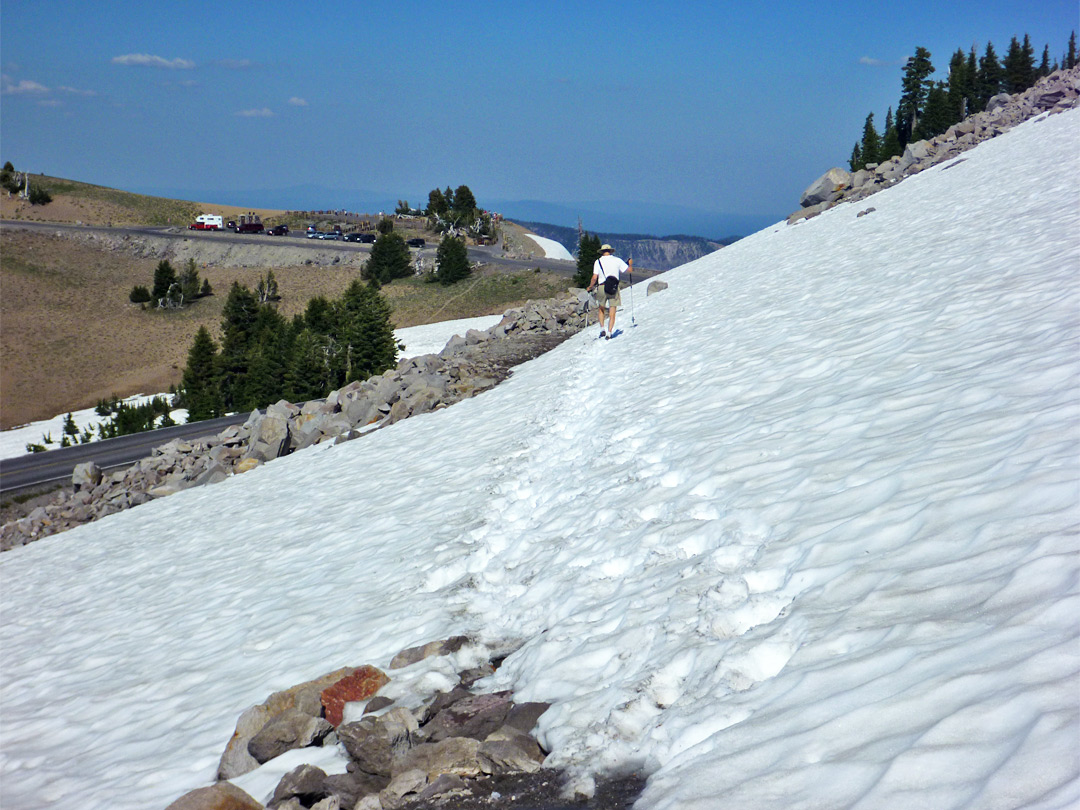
x=927 y=107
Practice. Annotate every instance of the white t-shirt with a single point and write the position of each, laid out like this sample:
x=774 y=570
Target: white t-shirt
x=608 y=266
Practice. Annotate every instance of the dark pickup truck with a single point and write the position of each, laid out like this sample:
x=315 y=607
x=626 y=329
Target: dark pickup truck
x=249 y=227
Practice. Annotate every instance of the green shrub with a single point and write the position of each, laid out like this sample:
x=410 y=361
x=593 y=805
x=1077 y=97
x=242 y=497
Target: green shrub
x=139 y=295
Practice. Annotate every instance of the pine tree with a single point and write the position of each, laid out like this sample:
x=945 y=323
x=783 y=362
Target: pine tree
x=436 y=203
x=1069 y=62
x=312 y=372
x=70 y=428
x=890 y=141
x=1018 y=66
x=961 y=87
x=989 y=77
x=189 y=281
x=238 y=330
x=164 y=278
x=365 y=331
x=451 y=261
x=936 y=116
x=971 y=92
x=588 y=253
x=464 y=202
x=267 y=360
x=855 y=162
x=389 y=259
x=319 y=316
x=1044 y=64
x=870 y=147
x=202 y=396
x=916 y=88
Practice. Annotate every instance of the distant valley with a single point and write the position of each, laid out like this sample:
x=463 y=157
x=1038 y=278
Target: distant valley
x=651 y=252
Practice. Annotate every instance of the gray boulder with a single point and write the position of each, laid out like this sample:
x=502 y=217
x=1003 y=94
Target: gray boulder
x=290 y=729
x=826 y=188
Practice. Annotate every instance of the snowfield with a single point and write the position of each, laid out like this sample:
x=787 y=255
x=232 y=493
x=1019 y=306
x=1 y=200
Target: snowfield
x=806 y=537
x=551 y=248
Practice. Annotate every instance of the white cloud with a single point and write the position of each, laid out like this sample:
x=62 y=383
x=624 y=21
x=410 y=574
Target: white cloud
x=296 y=101
x=869 y=60
x=24 y=87
x=264 y=112
x=75 y=91
x=49 y=102
x=148 y=60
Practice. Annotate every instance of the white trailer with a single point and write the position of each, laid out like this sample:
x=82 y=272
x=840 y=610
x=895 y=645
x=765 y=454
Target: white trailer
x=207 y=222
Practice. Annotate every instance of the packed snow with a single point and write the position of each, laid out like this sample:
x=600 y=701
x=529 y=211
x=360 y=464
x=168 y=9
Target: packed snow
x=551 y=248
x=805 y=537
x=426 y=339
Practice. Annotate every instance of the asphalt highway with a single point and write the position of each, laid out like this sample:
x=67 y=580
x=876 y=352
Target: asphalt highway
x=56 y=466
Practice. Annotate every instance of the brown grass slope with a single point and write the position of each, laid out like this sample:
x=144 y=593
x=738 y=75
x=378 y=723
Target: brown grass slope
x=69 y=336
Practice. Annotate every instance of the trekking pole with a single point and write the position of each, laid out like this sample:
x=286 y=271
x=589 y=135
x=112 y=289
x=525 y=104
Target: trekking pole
x=630 y=272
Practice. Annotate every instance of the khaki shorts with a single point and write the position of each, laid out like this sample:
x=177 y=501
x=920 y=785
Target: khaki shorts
x=604 y=300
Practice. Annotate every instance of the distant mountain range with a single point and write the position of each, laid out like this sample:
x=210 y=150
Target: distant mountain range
x=650 y=252
x=604 y=216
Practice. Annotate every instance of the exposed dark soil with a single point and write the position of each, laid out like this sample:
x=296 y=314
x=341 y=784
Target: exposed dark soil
x=537 y=791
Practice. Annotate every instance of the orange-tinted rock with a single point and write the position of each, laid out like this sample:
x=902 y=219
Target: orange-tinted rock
x=361 y=685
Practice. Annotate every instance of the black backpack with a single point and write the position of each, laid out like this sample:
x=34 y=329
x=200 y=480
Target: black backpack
x=611 y=285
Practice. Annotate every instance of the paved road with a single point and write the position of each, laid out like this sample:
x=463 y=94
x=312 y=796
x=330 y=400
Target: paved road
x=485 y=255
x=56 y=466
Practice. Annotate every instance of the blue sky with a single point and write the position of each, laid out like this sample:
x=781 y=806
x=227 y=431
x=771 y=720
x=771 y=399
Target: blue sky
x=731 y=108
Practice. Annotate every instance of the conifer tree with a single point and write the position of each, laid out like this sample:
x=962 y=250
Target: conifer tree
x=464 y=201
x=238 y=329
x=1018 y=66
x=202 y=396
x=365 y=331
x=436 y=203
x=989 y=77
x=1044 y=64
x=189 y=281
x=389 y=259
x=890 y=140
x=961 y=87
x=319 y=316
x=588 y=253
x=936 y=116
x=1069 y=62
x=870 y=147
x=971 y=91
x=916 y=88
x=451 y=261
x=164 y=278
x=855 y=162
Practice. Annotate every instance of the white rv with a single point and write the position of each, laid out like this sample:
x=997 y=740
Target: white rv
x=207 y=222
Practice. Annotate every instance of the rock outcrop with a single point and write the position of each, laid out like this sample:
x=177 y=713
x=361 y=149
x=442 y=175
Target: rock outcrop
x=456 y=743
x=1055 y=93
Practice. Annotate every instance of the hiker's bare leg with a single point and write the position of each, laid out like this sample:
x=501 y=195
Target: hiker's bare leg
x=611 y=321
x=603 y=317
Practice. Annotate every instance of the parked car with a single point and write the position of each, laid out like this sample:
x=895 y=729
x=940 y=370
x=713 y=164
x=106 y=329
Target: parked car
x=279 y=230
x=416 y=242
x=311 y=231
x=329 y=235
x=360 y=237
x=231 y=224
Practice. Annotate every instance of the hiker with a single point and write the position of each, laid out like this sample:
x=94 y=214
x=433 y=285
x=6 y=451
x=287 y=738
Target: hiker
x=606 y=271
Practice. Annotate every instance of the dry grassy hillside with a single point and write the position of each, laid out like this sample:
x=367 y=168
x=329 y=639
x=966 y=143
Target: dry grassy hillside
x=69 y=336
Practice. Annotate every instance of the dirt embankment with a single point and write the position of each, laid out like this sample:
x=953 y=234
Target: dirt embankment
x=225 y=249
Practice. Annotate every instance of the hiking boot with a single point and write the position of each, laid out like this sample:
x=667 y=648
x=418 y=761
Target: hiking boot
x=603 y=334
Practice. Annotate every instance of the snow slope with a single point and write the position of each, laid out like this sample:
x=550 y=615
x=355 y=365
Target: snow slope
x=551 y=248
x=806 y=537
